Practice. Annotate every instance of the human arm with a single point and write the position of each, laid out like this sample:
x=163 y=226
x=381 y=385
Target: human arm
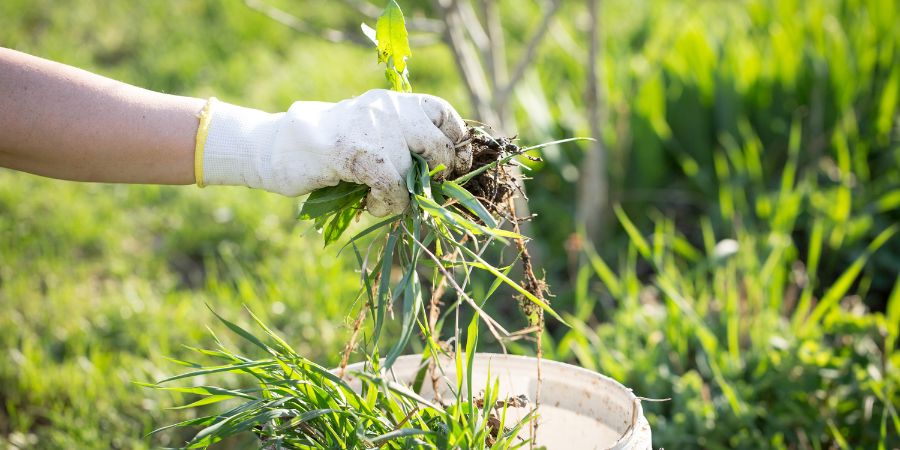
x=62 y=122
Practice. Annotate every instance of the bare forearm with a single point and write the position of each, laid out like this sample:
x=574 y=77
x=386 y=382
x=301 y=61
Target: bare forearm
x=63 y=122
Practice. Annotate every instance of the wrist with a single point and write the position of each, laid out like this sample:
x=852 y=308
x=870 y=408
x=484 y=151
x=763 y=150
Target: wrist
x=235 y=143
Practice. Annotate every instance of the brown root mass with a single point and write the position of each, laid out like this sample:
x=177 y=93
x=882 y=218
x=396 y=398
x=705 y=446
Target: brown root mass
x=494 y=186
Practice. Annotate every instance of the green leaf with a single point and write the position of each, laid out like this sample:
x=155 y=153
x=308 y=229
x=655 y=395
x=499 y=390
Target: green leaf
x=205 y=401
x=368 y=230
x=840 y=287
x=384 y=284
x=392 y=42
x=218 y=431
x=465 y=178
x=242 y=332
x=412 y=303
x=436 y=170
x=201 y=421
x=468 y=200
x=481 y=264
x=418 y=181
x=307 y=416
x=892 y=314
x=201 y=390
x=330 y=199
x=603 y=270
x=402 y=432
x=636 y=238
x=340 y=222
x=471 y=348
x=218 y=369
x=496 y=284
x=461 y=223
x=285 y=347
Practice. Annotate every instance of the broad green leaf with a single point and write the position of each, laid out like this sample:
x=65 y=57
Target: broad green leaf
x=340 y=222
x=219 y=369
x=330 y=199
x=392 y=42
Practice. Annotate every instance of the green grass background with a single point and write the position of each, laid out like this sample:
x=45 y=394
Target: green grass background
x=771 y=123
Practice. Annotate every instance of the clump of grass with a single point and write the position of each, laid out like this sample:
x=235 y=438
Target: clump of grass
x=298 y=404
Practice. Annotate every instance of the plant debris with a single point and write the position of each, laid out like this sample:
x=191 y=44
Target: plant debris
x=494 y=424
x=516 y=401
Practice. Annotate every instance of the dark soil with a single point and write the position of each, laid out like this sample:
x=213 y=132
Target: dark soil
x=495 y=186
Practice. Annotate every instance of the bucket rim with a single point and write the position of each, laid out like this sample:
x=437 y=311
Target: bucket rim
x=637 y=413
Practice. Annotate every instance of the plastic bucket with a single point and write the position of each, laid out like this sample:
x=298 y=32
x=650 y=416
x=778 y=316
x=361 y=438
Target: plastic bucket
x=579 y=409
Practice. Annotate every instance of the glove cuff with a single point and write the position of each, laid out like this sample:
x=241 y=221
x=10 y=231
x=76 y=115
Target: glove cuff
x=235 y=148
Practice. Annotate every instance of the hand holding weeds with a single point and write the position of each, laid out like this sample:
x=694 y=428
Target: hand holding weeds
x=366 y=140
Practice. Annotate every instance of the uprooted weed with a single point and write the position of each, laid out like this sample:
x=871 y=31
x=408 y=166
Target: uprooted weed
x=448 y=229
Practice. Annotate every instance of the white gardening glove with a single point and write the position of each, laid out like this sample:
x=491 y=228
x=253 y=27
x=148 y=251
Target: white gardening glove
x=365 y=140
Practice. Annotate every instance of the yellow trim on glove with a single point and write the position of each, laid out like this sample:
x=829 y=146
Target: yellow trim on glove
x=202 y=131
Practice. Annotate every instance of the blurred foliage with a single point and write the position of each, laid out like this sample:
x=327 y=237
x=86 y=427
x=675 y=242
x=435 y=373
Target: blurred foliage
x=731 y=331
x=770 y=123
x=689 y=83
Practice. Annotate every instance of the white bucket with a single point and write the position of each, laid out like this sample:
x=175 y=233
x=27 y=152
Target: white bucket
x=579 y=409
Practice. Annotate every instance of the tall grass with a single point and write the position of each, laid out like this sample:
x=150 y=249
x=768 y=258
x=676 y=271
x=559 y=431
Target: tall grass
x=689 y=83
x=755 y=347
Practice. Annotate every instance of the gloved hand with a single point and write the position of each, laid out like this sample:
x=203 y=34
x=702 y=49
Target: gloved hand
x=365 y=140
